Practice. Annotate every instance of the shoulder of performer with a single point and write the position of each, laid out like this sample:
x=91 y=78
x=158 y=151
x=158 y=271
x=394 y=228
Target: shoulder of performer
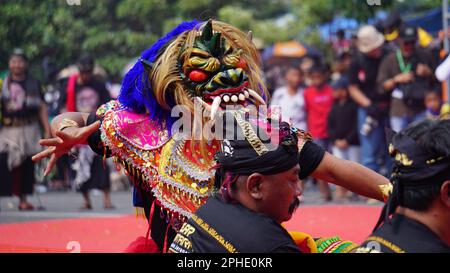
x=303 y=137
x=111 y=105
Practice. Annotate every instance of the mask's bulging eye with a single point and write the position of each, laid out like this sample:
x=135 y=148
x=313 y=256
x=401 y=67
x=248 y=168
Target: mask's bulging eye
x=198 y=75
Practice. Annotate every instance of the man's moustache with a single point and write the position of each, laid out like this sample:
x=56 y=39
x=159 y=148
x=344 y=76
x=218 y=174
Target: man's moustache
x=294 y=205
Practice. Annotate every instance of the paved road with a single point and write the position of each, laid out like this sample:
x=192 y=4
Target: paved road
x=66 y=205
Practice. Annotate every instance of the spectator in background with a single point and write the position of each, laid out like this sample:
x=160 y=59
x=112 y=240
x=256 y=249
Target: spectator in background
x=52 y=87
x=52 y=96
x=433 y=104
x=85 y=93
x=406 y=74
x=343 y=129
x=392 y=27
x=341 y=65
x=290 y=98
x=305 y=65
x=353 y=49
x=372 y=107
x=273 y=74
x=318 y=102
x=340 y=44
x=442 y=72
x=24 y=114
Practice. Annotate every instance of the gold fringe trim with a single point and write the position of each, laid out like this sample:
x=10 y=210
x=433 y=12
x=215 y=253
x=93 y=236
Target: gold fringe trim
x=140 y=212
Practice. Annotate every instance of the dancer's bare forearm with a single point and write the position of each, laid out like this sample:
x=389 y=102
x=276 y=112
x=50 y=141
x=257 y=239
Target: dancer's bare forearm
x=352 y=176
x=78 y=117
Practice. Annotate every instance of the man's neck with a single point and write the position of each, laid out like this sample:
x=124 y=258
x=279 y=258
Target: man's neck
x=407 y=55
x=80 y=81
x=432 y=219
x=291 y=91
x=18 y=77
x=319 y=87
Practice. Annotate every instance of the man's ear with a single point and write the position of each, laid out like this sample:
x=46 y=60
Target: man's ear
x=445 y=193
x=254 y=187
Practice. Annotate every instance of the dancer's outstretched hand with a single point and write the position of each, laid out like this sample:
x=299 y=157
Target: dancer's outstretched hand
x=63 y=142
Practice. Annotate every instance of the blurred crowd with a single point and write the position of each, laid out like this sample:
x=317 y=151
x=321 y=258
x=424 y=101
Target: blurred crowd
x=381 y=76
x=27 y=106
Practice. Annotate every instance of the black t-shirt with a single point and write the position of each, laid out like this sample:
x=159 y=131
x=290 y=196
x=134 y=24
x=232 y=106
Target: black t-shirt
x=21 y=99
x=219 y=227
x=363 y=72
x=403 y=234
x=53 y=92
x=88 y=96
x=342 y=122
x=310 y=157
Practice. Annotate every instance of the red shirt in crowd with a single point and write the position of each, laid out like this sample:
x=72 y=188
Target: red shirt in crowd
x=318 y=104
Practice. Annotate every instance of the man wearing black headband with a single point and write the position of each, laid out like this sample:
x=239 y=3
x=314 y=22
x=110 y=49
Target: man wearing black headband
x=258 y=187
x=416 y=217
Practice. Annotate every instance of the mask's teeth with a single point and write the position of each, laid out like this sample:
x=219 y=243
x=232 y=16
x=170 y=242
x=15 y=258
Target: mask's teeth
x=226 y=98
x=241 y=97
x=246 y=94
x=215 y=106
x=207 y=106
x=234 y=98
x=256 y=96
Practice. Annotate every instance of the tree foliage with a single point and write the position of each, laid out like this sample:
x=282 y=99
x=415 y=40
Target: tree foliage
x=115 y=31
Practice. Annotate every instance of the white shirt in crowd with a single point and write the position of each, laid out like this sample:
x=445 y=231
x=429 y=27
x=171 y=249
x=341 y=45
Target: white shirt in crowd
x=443 y=70
x=292 y=106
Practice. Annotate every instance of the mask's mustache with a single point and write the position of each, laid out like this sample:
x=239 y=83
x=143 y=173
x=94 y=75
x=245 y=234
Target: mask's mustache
x=294 y=205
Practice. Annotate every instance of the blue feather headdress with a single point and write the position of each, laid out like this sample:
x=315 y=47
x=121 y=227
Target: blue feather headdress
x=136 y=93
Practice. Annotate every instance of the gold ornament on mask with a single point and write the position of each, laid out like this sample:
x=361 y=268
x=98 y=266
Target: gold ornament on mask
x=403 y=158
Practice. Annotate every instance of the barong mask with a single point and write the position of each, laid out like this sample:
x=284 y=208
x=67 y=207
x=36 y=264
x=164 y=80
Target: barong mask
x=215 y=71
x=196 y=62
x=210 y=62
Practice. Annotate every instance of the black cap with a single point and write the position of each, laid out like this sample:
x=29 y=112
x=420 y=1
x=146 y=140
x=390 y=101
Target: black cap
x=394 y=20
x=408 y=34
x=20 y=53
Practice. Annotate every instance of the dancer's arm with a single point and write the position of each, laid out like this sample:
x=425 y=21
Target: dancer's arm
x=78 y=117
x=350 y=175
x=68 y=129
